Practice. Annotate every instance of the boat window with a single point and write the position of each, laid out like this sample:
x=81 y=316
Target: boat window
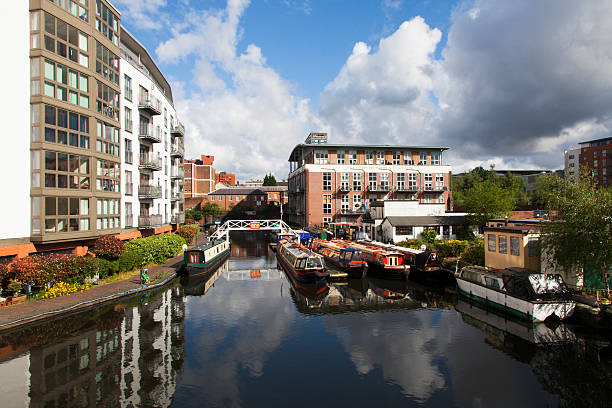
x=313 y=263
x=301 y=263
x=492 y=282
x=467 y=274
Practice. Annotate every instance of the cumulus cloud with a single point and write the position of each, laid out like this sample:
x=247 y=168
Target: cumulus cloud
x=237 y=108
x=143 y=14
x=518 y=82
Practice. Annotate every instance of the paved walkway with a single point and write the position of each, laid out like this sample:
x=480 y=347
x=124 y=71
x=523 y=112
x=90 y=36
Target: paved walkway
x=28 y=312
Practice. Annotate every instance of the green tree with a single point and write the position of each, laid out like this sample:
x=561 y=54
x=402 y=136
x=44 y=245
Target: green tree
x=269 y=180
x=429 y=236
x=487 y=199
x=580 y=237
x=212 y=210
x=194 y=214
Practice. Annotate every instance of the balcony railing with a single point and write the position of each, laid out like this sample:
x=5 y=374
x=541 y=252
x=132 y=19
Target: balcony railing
x=150 y=221
x=177 y=150
x=381 y=188
x=129 y=221
x=147 y=191
x=150 y=163
x=412 y=188
x=178 y=219
x=129 y=157
x=146 y=131
x=345 y=211
x=177 y=196
x=129 y=187
x=178 y=129
x=345 y=187
x=149 y=104
x=177 y=173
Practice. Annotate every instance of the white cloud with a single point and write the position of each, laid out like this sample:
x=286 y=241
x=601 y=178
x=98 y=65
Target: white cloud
x=143 y=14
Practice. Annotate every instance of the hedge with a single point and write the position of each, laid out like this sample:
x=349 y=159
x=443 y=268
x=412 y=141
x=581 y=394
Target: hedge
x=157 y=248
x=412 y=243
x=187 y=232
x=450 y=248
x=475 y=254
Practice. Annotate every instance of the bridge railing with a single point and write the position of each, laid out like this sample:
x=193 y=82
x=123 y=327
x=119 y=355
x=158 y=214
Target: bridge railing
x=251 y=225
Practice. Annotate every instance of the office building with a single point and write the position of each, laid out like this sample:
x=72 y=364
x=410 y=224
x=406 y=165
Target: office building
x=199 y=177
x=596 y=155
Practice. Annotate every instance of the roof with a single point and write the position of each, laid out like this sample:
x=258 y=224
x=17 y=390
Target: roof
x=596 y=140
x=237 y=190
x=273 y=189
x=426 y=220
x=361 y=146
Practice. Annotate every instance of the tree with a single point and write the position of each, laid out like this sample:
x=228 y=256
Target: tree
x=212 y=210
x=580 y=236
x=485 y=199
x=269 y=180
x=194 y=214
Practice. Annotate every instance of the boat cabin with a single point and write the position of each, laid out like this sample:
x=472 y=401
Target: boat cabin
x=203 y=254
x=300 y=257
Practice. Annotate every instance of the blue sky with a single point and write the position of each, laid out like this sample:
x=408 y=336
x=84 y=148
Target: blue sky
x=505 y=83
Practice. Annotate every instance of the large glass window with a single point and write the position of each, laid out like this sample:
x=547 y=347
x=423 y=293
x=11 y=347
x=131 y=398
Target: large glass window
x=515 y=246
x=107 y=63
x=327 y=205
x=327 y=181
x=356 y=181
x=369 y=157
x=380 y=157
x=436 y=158
x=423 y=158
x=491 y=240
x=502 y=243
x=340 y=157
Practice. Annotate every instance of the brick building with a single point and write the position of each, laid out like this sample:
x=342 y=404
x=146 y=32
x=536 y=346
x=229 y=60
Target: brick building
x=228 y=198
x=276 y=194
x=199 y=177
x=226 y=178
x=338 y=182
x=597 y=156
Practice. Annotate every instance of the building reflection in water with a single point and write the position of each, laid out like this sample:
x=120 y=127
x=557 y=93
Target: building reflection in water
x=129 y=355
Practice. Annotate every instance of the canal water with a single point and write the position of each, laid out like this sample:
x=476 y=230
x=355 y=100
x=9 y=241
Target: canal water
x=246 y=336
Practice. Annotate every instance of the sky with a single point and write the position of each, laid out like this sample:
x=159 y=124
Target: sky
x=505 y=83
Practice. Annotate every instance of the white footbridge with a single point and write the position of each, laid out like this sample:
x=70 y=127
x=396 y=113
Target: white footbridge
x=252 y=225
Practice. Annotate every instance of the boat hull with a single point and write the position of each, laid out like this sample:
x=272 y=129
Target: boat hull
x=433 y=275
x=536 y=311
x=376 y=269
x=352 y=271
x=304 y=277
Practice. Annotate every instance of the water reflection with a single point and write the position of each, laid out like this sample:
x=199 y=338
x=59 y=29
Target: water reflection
x=125 y=355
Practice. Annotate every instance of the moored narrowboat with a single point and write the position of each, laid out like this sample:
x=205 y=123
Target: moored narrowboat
x=520 y=292
x=301 y=262
x=206 y=256
x=347 y=259
x=381 y=262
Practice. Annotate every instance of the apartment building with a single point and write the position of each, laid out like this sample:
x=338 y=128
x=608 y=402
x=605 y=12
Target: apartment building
x=151 y=141
x=597 y=156
x=228 y=198
x=66 y=154
x=338 y=182
x=276 y=194
x=571 y=166
x=199 y=177
x=226 y=178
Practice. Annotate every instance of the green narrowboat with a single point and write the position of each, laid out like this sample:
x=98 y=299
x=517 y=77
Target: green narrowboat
x=206 y=256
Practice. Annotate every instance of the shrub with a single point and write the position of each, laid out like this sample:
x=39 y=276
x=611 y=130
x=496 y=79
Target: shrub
x=157 y=248
x=129 y=260
x=108 y=247
x=475 y=254
x=106 y=268
x=188 y=232
x=450 y=248
x=26 y=270
x=196 y=226
x=411 y=243
x=429 y=236
x=464 y=233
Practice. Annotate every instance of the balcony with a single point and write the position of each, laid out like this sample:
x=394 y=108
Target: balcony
x=177 y=173
x=177 y=129
x=129 y=157
x=410 y=188
x=379 y=188
x=149 y=104
x=129 y=221
x=147 y=191
x=146 y=131
x=150 y=221
x=345 y=188
x=150 y=163
x=177 y=196
x=178 y=219
x=177 y=151
x=129 y=188
x=345 y=211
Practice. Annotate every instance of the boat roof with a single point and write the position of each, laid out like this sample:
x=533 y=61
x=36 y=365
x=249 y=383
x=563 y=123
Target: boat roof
x=207 y=245
x=299 y=252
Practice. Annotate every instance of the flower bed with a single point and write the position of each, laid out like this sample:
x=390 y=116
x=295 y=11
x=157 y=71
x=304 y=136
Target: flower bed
x=62 y=289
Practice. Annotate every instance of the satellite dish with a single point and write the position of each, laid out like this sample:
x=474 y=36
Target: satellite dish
x=423 y=247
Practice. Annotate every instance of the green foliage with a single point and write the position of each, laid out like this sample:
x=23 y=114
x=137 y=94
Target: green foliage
x=212 y=209
x=463 y=233
x=157 y=248
x=474 y=255
x=196 y=226
x=581 y=234
x=106 y=268
x=194 y=214
x=450 y=248
x=429 y=236
x=108 y=247
x=411 y=243
x=129 y=260
x=187 y=232
x=269 y=180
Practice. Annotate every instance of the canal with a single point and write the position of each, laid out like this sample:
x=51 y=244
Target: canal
x=245 y=336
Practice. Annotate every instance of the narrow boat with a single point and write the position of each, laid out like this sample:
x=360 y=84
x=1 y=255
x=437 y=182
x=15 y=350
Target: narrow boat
x=206 y=256
x=301 y=262
x=385 y=263
x=349 y=260
x=197 y=284
x=520 y=292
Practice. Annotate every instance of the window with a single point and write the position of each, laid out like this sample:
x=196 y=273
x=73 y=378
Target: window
x=65 y=40
x=401 y=181
x=66 y=171
x=403 y=230
x=108 y=212
x=128 y=119
x=340 y=156
x=502 y=242
x=439 y=182
x=491 y=240
x=64 y=214
x=369 y=157
x=356 y=181
x=380 y=157
x=397 y=157
x=515 y=247
x=372 y=181
x=107 y=23
x=436 y=158
x=412 y=181
x=321 y=157
x=356 y=201
x=127 y=87
x=344 y=182
x=327 y=220
x=63 y=126
x=440 y=199
x=344 y=203
x=423 y=158
x=107 y=101
x=352 y=157
x=107 y=64
x=533 y=247
x=107 y=139
x=408 y=158
x=327 y=183
x=327 y=205
x=107 y=176
x=384 y=181
x=428 y=181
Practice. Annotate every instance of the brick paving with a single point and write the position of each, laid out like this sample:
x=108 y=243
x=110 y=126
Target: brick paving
x=28 y=312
